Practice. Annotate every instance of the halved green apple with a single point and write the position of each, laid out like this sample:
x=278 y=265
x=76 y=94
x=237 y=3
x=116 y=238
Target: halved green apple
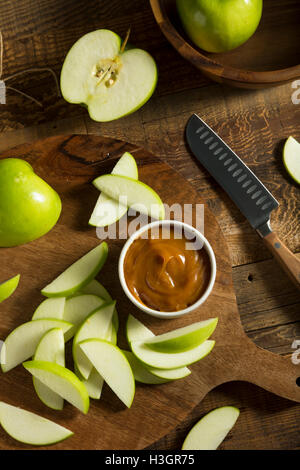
x=212 y=429
x=22 y=342
x=78 y=274
x=108 y=211
x=182 y=339
x=7 y=288
x=112 y=365
x=51 y=348
x=138 y=195
x=161 y=360
x=78 y=308
x=97 y=325
x=96 y=288
x=30 y=428
x=62 y=381
x=110 y=81
x=50 y=308
x=291 y=158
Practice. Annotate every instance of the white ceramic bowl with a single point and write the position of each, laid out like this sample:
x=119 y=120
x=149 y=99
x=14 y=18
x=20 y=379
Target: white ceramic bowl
x=199 y=237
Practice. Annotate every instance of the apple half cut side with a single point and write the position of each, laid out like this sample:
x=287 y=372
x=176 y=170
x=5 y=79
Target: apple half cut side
x=50 y=308
x=108 y=211
x=96 y=288
x=137 y=331
x=171 y=360
x=30 y=428
x=110 y=81
x=97 y=325
x=62 y=381
x=140 y=372
x=212 y=429
x=8 y=287
x=78 y=308
x=22 y=342
x=137 y=195
x=51 y=348
x=182 y=339
x=78 y=274
x=291 y=158
x=113 y=366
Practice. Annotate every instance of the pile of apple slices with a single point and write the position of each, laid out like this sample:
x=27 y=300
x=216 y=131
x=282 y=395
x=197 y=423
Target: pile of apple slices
x=159 y=359
x=77 y=305
x=121 y=190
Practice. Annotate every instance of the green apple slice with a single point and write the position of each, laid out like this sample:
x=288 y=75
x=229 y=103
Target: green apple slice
x=97 y=325
x=113 y=366
x=50 y=308
x=29 y=428
x=62 y=381
x=96 y=288
x=137 y=331
x=170 y=360
x=212 y=429
x=170 y=374
x=94 y=384
x=138 y=195
x=182 y=339
x=110 y=81
x=140 y=372
x=22 y=342
x=51 y=348
x=78 y=274
x=291 y=158
x=107 y=211
x=78 y=308
x=7 y=288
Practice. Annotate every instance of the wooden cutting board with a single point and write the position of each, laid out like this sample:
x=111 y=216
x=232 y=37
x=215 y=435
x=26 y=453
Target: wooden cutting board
x=69 y=164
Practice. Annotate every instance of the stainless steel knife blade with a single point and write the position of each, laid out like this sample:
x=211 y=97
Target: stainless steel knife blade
x=245 y=189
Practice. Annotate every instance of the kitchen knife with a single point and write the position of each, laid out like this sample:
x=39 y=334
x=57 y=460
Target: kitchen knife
x=245 y=189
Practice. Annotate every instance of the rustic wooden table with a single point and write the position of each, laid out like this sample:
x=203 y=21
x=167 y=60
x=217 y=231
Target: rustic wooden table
x=38 y=33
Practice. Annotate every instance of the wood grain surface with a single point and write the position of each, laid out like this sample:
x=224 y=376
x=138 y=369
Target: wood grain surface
x=250 y=65
x=254 y=123
x=69 y=164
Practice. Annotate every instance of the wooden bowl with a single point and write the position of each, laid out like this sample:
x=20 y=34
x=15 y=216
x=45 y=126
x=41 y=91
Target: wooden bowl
x=271 y=57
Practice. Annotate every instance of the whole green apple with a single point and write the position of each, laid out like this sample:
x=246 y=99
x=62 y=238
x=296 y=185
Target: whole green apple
x=29 y=207
x=219 y=25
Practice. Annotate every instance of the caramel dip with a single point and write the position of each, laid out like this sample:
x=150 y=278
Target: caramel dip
x=163 y=274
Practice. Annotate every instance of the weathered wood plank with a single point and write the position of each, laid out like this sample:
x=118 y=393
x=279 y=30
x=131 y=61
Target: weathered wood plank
x=266 y=421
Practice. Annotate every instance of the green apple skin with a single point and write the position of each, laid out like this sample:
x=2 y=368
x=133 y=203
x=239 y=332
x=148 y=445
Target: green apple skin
x=29 y=207
x=79 y=86
x=8 y=287
x=219 y=25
